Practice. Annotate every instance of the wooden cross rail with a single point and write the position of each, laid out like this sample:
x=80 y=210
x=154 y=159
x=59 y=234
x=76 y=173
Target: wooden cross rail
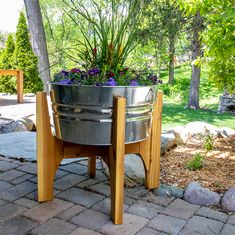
x=19 y=74
x=51 y=151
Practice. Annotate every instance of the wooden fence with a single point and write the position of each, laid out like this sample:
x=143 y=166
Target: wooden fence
x=19 y=75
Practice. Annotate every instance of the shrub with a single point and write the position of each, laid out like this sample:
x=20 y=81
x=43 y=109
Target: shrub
x=196 y=163
x=8 y=83
x=208 y=142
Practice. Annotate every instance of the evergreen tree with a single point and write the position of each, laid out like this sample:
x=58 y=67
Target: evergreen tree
x=25 y=59
x=7 y=53
x=8 y=83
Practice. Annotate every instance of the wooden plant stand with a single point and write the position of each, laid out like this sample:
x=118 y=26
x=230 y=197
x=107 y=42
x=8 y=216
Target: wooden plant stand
x=51 y=151
x=19 y=75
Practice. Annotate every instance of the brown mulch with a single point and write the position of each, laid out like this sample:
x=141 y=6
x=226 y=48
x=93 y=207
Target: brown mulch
x=217 y=173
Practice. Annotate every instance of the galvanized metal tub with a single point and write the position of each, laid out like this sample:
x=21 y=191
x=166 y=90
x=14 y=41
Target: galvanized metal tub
x=83 y=114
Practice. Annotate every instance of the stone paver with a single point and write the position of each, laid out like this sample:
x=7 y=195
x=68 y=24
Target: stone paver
x=21 y=179
x=54 y=227
x=26 y=202
x=29 y=168
x=10 y=175
x=2 y=202
x=211 y=214
x=228 y=230
x=136 y=193
x=34 y=195
x=204 y=225
x=17 y=191
x=91 y=219
x=180 y=209
x=16 y=226
x=145 y=209
x=100 y=176
x=167 y=224
x=149 y=231
x=187 y=231
x=160 y=200
x=231 y=219
x=47 y=210
x=87 y=183
x=71 y=212
x=105 y=206
x=60 y=174
x=4 y=185
x=80 y=196
x=129 y=201
x=75 y=168
x=10 y=210
x=68 y=181
x=102 y=188
x=84 y=231
x=145 y=213
x=6 y=166
x=131 y=225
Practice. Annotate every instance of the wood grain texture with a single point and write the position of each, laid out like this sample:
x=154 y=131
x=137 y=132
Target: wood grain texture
x=92 y=166
x=155 y=144
x=49 y=150
x=117 y=151
x=19 y=75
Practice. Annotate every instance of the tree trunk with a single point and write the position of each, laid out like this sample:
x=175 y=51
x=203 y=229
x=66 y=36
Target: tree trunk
x=171 y=59
x=38 y=39
x=158 y=55
x=193 y=100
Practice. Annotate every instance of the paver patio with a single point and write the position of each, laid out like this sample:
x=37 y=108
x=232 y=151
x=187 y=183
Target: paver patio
x=82 y=206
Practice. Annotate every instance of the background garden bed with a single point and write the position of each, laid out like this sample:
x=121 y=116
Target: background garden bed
x=217 y=173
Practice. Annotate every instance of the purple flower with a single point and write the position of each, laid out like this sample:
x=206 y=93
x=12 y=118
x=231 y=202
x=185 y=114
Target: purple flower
x=64 y=73
x=64 y=82
x=111 y=82
x=93 y=71
x=153 y=78
x=75 y=70
x=134 y=83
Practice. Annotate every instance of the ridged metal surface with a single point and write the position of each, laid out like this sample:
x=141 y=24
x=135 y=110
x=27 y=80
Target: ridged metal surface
x=83 y=114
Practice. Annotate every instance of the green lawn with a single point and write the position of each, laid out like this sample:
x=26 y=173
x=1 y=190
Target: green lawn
x=174 y=113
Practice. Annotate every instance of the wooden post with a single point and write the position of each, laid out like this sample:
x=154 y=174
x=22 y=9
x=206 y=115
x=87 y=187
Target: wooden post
x=155 y=144
x=19 y=75
x=49 y=150
x=20 y=88
x=117 y=151
x=92 y=166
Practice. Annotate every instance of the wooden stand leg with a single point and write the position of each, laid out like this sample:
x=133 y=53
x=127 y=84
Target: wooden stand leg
x=92 y=166
x=20 y=89
x=153 y=173
x=117 y=151
x=49 y=150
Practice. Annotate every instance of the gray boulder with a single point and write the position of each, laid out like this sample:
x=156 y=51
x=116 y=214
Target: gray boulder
x=196 y=194
x=134 y=167
x=27 y=122
x=228 y=200
x=181 y=134
x=9 y=125
x=201 y=128
x=227 y=132
x=167 y=141
x=165 y=190
x=29 y=95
